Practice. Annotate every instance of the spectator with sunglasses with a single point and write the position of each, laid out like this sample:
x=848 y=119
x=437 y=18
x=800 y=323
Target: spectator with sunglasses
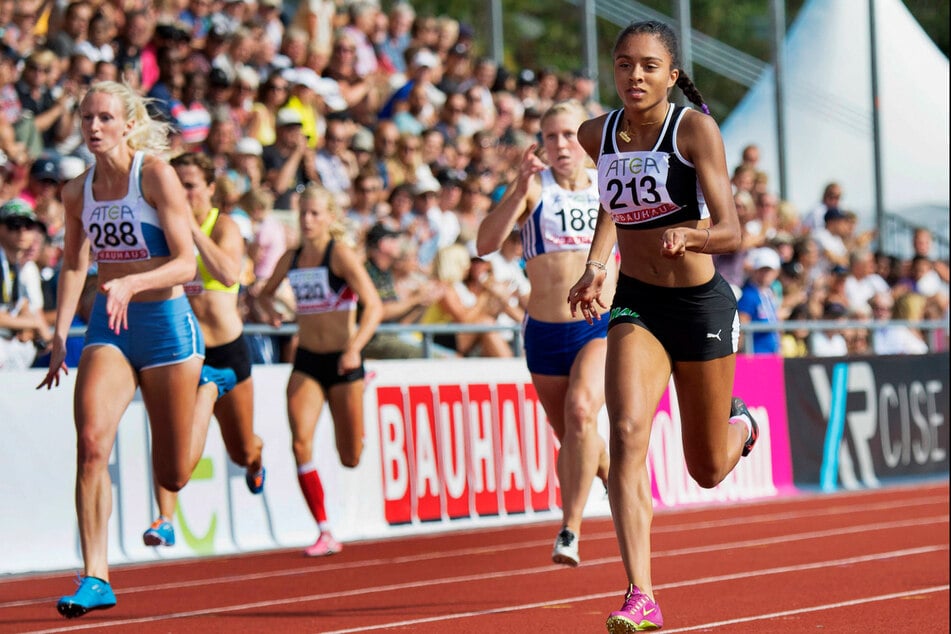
x=23 y=330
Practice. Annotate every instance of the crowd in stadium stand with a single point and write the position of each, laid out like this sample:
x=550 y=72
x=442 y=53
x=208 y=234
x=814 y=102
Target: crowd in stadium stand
x=416 y=135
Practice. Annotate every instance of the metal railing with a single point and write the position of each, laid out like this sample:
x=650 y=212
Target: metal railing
x=931 y=328
x=427 y=332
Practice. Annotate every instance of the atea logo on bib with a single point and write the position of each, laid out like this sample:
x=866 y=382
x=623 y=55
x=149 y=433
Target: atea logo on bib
x=107 y=213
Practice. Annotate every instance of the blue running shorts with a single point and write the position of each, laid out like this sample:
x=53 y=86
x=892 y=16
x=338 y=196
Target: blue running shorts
x=551 y=348
x=159 y=333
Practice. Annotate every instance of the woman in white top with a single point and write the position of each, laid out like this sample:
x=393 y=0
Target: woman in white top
x=131 y=212
x=555 y=207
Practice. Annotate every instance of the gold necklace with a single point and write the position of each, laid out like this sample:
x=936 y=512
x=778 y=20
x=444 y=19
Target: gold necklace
x=625 y=134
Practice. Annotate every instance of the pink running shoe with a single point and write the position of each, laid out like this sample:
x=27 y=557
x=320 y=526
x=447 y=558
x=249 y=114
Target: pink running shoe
x=324 y=546
x=638 y=614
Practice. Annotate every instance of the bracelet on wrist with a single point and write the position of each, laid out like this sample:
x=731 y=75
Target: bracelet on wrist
x=705 y=242
x=601 y=266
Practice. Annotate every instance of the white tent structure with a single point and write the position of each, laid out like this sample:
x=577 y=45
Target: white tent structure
x=829 y=118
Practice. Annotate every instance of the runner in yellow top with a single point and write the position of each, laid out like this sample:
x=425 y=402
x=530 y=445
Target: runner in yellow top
x=214 y=299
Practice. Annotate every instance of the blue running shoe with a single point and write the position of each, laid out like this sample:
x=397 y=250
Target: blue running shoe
x=160 y=533
x=224 y=378
x=93 y=594
x=255 y=481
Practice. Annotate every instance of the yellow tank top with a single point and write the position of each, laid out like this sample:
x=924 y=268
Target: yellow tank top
x=207 y=281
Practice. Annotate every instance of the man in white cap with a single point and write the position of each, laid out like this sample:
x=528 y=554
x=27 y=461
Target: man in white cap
x=289 y=162
x=758 y=303
x=425 y=69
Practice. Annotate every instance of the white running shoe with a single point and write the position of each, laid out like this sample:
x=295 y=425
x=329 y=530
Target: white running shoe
x=566 y=548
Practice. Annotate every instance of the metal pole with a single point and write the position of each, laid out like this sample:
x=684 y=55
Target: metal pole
x=682 y=15
x=876 y=122
x=778 y=15
x=590 y=44
x=496 y=44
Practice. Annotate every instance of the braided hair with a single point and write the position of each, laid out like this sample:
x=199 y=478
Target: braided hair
x=669 y=40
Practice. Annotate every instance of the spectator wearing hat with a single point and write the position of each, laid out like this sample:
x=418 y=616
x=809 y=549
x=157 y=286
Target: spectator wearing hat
x=430 y=227
x=246 y=168
x=758 y=302
x=526 y=87
x=383 y=248
x=22 y=325
x=458 y=73
x=831 y=239
x=43 y=183
x=425 y=68
x=361 y=145
x=220 y=89
x=288 y=162
x=304 y=84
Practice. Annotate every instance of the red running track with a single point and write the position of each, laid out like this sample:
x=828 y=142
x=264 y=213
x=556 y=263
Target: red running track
x=850 y=562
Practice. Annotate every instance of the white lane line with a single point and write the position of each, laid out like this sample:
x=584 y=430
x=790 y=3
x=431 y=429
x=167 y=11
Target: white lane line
x=495 y=549
x=910 y=552
x=733 y=520
x=816 y=608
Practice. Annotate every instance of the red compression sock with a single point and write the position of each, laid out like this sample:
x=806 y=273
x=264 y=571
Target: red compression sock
x=313 y=493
